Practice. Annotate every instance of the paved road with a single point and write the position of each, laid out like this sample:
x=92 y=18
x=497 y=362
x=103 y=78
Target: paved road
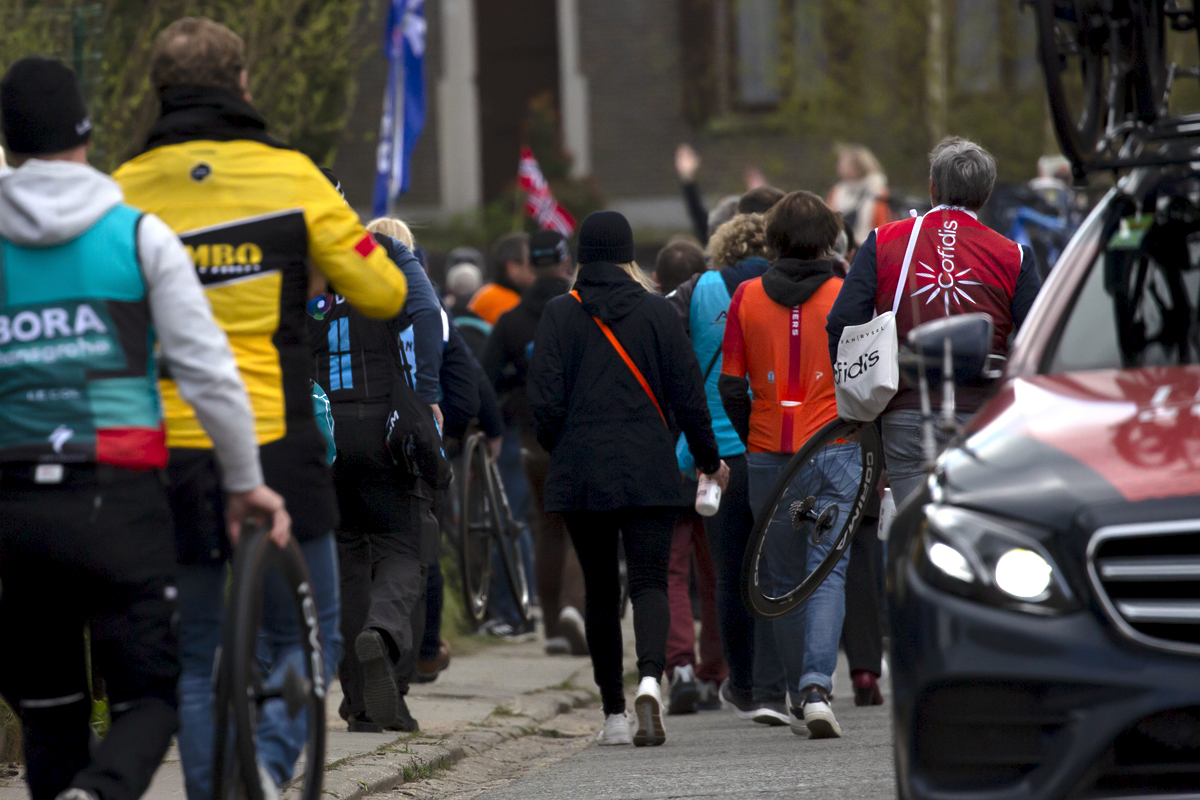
x=715 y=755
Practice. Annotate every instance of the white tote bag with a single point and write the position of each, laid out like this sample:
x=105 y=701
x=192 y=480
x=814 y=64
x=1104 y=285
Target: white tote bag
x=867 y=373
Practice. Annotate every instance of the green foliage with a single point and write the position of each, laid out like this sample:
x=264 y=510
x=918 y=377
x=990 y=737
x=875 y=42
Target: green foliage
x=303 y=56
x=10 y=735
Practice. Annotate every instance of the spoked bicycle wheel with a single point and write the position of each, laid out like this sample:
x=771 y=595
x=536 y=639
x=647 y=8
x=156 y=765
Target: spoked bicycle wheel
x=479 y=522
x=510 y=549
x=805 y=527
x=1073 y=48
x=241 y=693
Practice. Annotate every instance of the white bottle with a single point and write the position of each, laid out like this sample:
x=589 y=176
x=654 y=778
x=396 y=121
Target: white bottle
x=887 y=513
x=708 y=496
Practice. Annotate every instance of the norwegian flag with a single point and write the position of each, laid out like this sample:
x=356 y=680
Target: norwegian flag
x=539 y=200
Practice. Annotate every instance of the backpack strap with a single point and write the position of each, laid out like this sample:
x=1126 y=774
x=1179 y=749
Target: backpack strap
x=637 y=373
x=908 y=256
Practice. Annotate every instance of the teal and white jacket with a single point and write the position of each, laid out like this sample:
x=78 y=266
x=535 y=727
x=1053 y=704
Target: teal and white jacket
x=92 y=294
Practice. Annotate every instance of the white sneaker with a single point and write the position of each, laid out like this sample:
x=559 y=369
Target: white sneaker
x=648 y=707
x=616 y=730
x=269 y=789
x=572 y=628
x=818 y=715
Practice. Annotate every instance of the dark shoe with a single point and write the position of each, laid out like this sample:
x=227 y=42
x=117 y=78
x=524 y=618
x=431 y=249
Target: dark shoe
x=380 y=693
x=683 y=692
x=571 y=627
x=360 y=724
x=742 y=707
x=405 y=723
x=866 y=688
x=428 y=671
x=710 y=698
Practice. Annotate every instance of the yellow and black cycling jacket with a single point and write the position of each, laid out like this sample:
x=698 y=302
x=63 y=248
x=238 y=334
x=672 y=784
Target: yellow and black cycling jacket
x=253 y=216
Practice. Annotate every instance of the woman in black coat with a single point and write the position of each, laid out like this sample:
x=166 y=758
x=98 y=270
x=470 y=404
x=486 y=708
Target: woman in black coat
x=612 y=465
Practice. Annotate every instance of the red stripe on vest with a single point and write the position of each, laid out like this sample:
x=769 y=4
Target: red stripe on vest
x=132 y=448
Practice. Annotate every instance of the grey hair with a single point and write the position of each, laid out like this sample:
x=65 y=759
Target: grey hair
x=962 y=173
x=724 y=211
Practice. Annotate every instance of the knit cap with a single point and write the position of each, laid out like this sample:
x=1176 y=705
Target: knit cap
x=42 y=109
x=605 y=236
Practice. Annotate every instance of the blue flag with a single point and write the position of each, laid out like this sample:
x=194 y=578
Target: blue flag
x=404 y=104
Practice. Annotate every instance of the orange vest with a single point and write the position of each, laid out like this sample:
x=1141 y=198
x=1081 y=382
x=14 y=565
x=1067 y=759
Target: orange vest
x=785 y=354
x=492 y=301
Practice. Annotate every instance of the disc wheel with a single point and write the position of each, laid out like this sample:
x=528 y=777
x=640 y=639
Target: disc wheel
x=241 y=693
x=479 y=522
x=510 y=550
x=1072 y=48
x=810 y=516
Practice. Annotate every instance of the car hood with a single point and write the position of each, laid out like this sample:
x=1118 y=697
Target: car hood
x=1047 y=446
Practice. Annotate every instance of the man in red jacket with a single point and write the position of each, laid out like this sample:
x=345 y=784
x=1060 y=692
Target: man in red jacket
x=959 y=266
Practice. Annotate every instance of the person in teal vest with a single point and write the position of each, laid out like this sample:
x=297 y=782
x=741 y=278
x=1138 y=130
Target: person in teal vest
x=92 y=293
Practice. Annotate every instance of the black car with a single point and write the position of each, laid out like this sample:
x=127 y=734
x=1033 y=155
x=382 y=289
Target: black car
x=1045 y=584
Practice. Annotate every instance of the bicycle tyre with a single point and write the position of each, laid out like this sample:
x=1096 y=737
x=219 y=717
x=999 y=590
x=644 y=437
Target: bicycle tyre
x=477 y=519
x=240 y=679
x=766 y=605
x=1077 y=134
x=508 y=537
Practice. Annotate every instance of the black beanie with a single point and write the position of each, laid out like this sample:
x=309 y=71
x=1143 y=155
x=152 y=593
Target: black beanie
x=42 y=108
x=605 y=236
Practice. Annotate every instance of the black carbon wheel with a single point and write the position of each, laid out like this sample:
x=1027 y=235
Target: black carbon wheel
x=510 y=549
x=240 y=691
x=1072 y=47
x=826 y=487
x=479 y=521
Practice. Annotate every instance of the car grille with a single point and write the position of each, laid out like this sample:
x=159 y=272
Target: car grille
x=985 y=735
x=1148 y=580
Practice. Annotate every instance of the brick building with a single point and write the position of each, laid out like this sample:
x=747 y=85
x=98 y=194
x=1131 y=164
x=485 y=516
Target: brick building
x=633 y=78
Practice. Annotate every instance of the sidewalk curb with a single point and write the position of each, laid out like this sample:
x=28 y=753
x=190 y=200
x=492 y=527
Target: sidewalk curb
x=411 y=757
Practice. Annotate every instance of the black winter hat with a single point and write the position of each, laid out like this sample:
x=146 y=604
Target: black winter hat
x=605 y=236
x=548 y=249
x=42 y=108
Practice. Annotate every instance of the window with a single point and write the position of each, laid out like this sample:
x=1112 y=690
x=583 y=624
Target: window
x=1138 y=304
x=756 y=38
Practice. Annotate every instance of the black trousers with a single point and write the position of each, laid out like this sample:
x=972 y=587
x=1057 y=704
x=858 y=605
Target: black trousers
x=387 y=537
x=728 y=534
x=96 y=549
x=647 y=534
x=862 y=636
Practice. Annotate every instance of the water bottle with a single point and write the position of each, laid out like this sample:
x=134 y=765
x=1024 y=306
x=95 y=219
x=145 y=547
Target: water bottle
x=887 y=513
x=708 y=496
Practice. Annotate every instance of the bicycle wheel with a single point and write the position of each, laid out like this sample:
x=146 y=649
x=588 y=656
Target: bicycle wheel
x=510 y=549
x=1072 y=40
x=241 y=693
x=478 y=526
x=826 y=487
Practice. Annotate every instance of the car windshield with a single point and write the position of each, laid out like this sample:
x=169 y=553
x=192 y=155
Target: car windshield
x=1138 y=304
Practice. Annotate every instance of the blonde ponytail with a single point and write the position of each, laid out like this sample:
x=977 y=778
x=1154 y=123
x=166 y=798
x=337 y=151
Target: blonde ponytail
x=635 y=272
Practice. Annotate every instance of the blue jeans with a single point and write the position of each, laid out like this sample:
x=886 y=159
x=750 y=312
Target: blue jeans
x=903 y=450
x=807 y=637
x=201 y=616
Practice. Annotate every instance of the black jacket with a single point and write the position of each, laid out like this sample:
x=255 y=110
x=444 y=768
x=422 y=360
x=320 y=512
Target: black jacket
x=466 y=392
x=506 y=356
x=609 y=448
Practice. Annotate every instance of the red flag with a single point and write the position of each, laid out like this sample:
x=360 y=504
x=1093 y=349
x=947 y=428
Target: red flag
x=539 y=200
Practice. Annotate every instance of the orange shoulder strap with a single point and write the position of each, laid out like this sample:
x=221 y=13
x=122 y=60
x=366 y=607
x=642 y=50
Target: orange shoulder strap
x=637 y=373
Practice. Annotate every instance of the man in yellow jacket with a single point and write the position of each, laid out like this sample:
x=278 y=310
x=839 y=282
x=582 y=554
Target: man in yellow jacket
x=265 y=231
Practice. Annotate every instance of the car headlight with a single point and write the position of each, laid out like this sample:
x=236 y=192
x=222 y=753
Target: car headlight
x=995 y=561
